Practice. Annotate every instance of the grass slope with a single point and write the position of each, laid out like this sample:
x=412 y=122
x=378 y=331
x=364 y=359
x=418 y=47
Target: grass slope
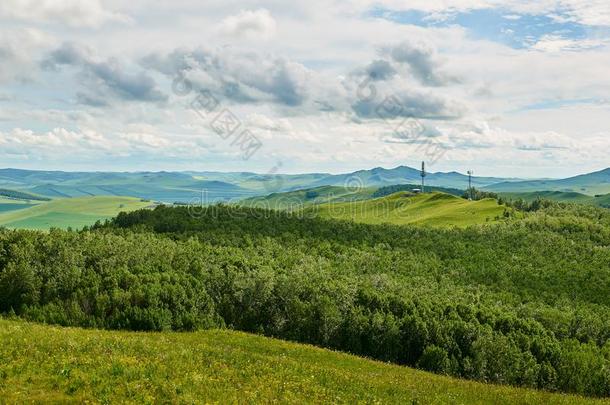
x=52 y=364
x=561 y=196
x=435 y=209
x=8 y=204
x=301 y=198
x=20 y=195
x=70 y=212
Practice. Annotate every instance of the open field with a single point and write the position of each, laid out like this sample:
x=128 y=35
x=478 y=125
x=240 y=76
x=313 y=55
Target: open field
x=69 y=212
x=435 y=209
x=44 y=363
x=11 y=204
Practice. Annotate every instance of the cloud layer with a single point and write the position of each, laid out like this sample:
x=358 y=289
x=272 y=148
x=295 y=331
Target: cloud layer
x=506 y=87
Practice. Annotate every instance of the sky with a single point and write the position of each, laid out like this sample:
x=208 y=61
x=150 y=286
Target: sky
x=508 y=88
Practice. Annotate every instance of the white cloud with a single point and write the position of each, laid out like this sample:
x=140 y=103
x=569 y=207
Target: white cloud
x=18 y=50
x=291 y=75
x=557 y=43
x=258 y=24
x=77 y=13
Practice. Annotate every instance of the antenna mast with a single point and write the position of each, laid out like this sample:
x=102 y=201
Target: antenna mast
x=423 y=177
x=470 y=173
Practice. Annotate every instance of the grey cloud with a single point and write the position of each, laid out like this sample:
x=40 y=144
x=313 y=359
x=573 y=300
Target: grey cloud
x=254 y=78
x=380 y=70
x=137 y=86
x=240 y=77
x=7 y=97
x=67 y=54
x=6 y=53
x=418 y=132
x=406 y=104
x=91 y=100
x=422 y=63
x=104 y=79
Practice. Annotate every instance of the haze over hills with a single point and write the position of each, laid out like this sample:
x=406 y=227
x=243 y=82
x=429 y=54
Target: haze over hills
x=590 y=184
x=184 y=186
x=212 y=187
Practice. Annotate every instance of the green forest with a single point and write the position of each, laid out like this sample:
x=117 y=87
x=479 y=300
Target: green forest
x=524 y=302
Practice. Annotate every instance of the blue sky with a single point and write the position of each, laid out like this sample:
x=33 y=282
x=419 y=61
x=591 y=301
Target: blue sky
x=510 y=88
x=519 y=31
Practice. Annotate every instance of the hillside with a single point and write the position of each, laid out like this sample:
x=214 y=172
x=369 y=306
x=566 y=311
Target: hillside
x=561 y=196
x=11 y=204
x=20 y=195
x=435 y=209
x=158 y=186
x=217 y=365
x=186 y=187
x=68 y=212
x=406 y=175
x=590 y=184
x=299 y=199
x=213 y=187
x=521 y=303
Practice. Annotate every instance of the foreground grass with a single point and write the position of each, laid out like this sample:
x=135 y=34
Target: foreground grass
x=70 y=212
x=52 y=364
x=433 y=209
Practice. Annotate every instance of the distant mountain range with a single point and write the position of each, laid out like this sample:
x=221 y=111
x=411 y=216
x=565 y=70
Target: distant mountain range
x=217 y=186
x=590 y=184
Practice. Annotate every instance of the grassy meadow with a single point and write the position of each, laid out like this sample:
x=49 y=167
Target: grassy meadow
x=434 y=209
x=299 y=199
x=69 y=365
x=67 y=212
x=11 y=204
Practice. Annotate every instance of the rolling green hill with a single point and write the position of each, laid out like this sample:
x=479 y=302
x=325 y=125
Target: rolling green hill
x=561 y=196
x=185 y=187
x=435 y=209
x=590 y=184
x=43 y=363
x=13 y=206
x=302 y=198
x=69 y=212
x=8 y=204
x=20 y=195
x=168 y=187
